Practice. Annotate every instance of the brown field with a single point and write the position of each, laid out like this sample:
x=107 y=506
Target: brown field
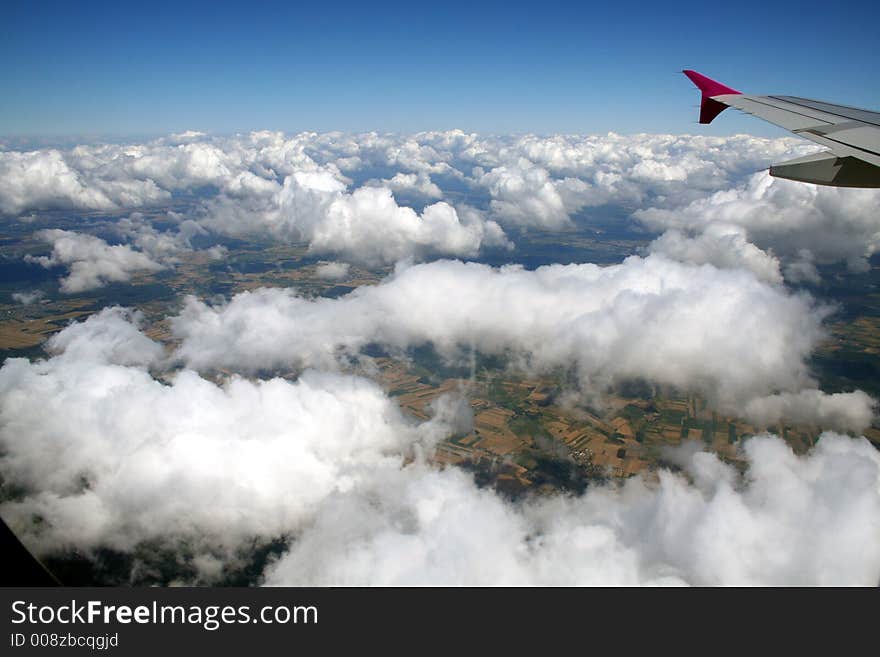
x=21 y=331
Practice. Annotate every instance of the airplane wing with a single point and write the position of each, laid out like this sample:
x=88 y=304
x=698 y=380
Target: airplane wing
x=851 y=135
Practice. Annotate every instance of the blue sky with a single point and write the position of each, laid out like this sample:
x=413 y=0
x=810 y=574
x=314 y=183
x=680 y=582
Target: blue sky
x=148 y=68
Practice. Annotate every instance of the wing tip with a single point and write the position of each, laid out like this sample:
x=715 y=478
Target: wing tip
x=709 y=107
x=708 y=86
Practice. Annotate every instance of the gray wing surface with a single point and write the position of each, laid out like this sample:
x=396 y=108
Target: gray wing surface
x=851 y=134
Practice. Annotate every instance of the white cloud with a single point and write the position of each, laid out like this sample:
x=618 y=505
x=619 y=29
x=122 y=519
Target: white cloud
x=105 y=455
x=188 y=135
x=368 y=226
x=332 y=271
x=27 y=298
x=111 y=448
x=164 y=247
x=293 y=188
x=411 y=183
x=44 y=180
x=365 y=226
x=614 y=167
x=93 y=263
x=109 y=456
x=524 y=195
x=803 y=224
x=791 y=521
x=255 y=183
x=111 y=336
x=842 y=411
x=721 y=245
x=724 y=333
x=802 y=268
x=659 y=170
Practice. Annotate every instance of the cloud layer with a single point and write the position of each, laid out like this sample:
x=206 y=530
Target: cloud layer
x=803 y=224
x=104 y=454
x=110 y=456
x=105 y=444
x=794 y=520
x=340 y=192
x=647 y=318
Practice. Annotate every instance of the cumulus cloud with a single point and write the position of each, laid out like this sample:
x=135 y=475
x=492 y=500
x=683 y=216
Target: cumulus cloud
x=524 y=195
x=609 y=167
x=803 y=224
x=102 y=454
x=119 y=176
x=187 y=136
x=650 y=318
x=802 y=269
x=92 y=262
x=27 y=298
x=792 y=520
x=163 y=246
x=297 y=187
x=721 y=245
x=111 y=336
x=365 y=226
x=843 y=411
x=332 y=271
x=39 y=180
x=369 y=226
x=637 y=170
x=105 y=445
x=109 y=456
x=417 y=184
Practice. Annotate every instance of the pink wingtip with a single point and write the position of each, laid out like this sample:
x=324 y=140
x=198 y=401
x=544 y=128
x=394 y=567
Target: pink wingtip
x=708 y=86
x=709 y=108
